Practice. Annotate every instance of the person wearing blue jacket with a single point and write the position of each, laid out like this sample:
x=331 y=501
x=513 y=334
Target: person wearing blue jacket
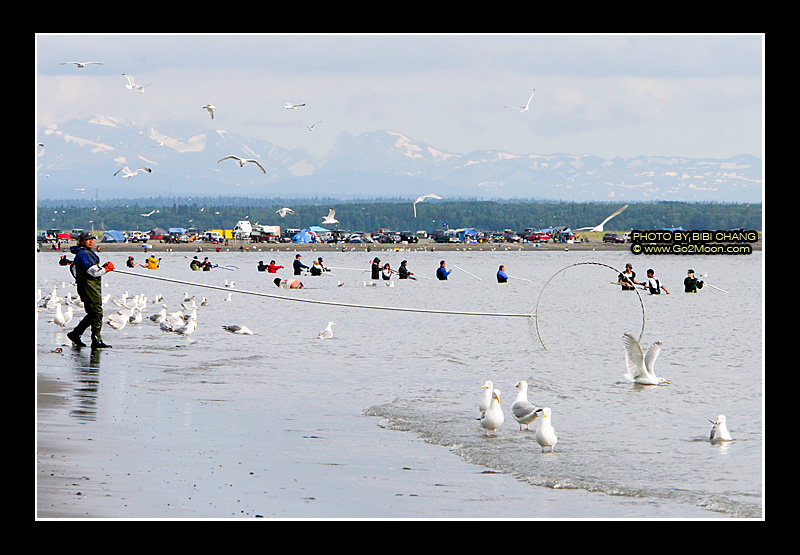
x=502 y=276
x=442 y=272
x=87 y=271
x=298 y=266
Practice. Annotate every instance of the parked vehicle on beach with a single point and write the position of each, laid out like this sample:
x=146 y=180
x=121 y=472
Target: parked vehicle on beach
x=613 y=238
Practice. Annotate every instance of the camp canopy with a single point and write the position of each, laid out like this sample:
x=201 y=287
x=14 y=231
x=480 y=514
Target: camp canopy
x=305 y=236
x=113 y=236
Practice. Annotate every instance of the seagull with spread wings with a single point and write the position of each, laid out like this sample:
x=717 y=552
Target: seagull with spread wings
x=423 y=197
x=527 y=105
x=243 y=161
x=599 y=227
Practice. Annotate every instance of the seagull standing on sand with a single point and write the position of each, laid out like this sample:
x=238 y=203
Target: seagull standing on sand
x=719 y=430
x=290 y=106
x=327 y=333
x=524 y=411
x=493 y=418
x=58 y=317
x=130 y=173
x=546 y=435
x=423 y=197
x=527 y=105
x=80 y=64
x=330 y=218
x=243 y=161
x=133 y=86
x=599 y=227
x=210 y=108
x=285 y=210
x=639 y=364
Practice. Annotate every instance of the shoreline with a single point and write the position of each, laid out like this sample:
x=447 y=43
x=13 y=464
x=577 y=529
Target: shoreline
x=423 y=245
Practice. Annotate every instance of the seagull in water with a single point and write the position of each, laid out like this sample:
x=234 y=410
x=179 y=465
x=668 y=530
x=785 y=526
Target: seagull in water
x=546 y=435
x=133 y=86
x=327 y=333
x=330 y=218
x=599 y=227
x=285 y=210
x=527 y=105
x=493 y=418
x=210 y=108
x=639 y=364
x=81 y=64
x=719 y=430
x=524 y=411
x=243 y=161
x=423 y=197
x=241 y=330
x=486 y=396
x=290 y=106
x=130 y=173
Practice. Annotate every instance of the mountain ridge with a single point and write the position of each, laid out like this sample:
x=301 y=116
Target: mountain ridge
x=86 y=154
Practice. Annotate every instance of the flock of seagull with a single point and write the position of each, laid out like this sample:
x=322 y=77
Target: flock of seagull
x=639 y=370
x=128 y=173
x=125 y=309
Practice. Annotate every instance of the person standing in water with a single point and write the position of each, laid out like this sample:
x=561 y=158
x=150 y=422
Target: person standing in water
x=691 y=284
x=87 y=271
x=502 y=276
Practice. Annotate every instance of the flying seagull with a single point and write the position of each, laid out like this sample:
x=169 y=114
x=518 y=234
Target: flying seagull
x=599 y=227
x=243 y=161
x=283 y=211
x=527 y=105
x=133 y=86
x=311 y=128
x=290 y=106
x=153 y=211
x=330 y=218
x=210 y=108
x=81 y=64
x=130 y=173
x=423 y=197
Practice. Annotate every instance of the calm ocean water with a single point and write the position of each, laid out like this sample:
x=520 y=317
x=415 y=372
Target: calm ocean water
x=418 y=376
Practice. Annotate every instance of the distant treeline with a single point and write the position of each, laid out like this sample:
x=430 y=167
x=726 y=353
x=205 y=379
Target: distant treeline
x=396 y=214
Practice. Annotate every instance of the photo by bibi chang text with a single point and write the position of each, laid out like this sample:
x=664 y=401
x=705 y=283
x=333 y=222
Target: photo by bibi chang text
x=670 y=241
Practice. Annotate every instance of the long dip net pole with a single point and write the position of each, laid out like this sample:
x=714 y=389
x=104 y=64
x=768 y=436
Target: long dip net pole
x=330 y=303
x=533 y=315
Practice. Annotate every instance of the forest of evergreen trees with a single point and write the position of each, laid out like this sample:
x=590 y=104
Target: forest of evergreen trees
x=397 y=214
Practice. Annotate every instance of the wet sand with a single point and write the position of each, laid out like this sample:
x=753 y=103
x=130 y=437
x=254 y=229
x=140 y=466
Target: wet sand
x=111 y=446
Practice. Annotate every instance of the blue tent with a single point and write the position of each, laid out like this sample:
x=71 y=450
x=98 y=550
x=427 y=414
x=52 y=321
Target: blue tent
x=464 y=233
x=304 y=236
x=113 y=236
x=179 y=230
x=317 y=229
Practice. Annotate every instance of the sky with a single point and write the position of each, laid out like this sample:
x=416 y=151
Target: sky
x=603 y=95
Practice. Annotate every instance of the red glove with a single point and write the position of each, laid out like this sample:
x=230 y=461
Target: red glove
x=108 y=266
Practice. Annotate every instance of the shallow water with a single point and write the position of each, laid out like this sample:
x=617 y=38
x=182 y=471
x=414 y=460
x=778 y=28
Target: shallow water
x=393 y=381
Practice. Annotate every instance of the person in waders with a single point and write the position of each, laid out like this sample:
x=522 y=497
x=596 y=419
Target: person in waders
x=87 y=271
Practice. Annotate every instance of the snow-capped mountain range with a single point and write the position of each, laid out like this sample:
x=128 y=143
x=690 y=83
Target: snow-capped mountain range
x=81 y=157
